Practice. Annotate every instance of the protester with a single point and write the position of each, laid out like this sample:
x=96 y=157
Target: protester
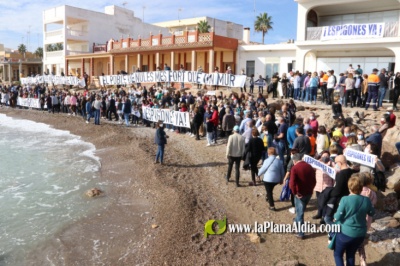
x=375 y=138
x=234 y=152
x=302 y=182
x=287 y=176
x=255 y=148
x=323 y=180
x=339 y=190
x=322 y=140
x=280 y=138
x=127 y=109
x=273 y=172
x=302 y=143
x=96 y=110
x=228 y=122
x=161 y=140
x=366 y=181
x=351 y=215
x=311 y=137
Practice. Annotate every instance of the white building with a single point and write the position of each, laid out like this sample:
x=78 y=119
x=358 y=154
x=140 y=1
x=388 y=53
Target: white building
x=319 y=49
x=70 y=30
x=314 y=50
x=220 y=27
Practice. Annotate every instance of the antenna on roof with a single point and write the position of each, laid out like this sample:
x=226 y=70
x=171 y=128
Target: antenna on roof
x=124 y=4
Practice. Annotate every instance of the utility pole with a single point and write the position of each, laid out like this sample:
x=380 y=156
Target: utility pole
x=28 y=39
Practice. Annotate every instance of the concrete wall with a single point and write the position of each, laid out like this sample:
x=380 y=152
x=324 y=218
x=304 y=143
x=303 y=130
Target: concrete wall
x=221 y=27
x=265 y=54
x=96 y=27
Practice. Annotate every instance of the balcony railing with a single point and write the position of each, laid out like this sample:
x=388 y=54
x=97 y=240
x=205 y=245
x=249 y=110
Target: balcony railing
x=99 y=48
x=187 y=39
x=71 y=52
x=54 y=54
x=77 y=33
x=53 y=33
x=391 y=30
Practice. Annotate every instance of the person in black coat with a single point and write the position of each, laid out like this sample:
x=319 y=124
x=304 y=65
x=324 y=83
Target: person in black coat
x=112 y=109
x=197 y=122
x=255 y=147
x=160 y=139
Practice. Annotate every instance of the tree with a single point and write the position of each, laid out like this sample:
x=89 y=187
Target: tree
x=39 y=52
x=59 y=46
x=203 y=26
x=263 y=23
x=49 y=48
x=22 y=49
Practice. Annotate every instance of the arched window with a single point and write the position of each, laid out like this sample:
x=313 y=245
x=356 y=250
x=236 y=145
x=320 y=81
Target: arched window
x=312 y=19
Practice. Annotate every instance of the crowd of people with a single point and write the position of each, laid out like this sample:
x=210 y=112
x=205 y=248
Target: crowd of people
x=271 y=134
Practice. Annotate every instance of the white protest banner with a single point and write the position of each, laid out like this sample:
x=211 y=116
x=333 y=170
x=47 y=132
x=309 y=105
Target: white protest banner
x=211 y=93
x=29 y=102
x=260 y=83
x=352 y=31
x=360 y=157
x=178 y=119
x=56 y=80
x=220 y=79
x=320 y=165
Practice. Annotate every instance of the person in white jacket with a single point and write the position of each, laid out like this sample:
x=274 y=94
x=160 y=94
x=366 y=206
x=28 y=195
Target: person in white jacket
x=330 y=86
x=234 y=153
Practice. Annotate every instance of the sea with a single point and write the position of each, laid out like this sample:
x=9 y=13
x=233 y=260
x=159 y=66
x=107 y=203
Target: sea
x=44 y=174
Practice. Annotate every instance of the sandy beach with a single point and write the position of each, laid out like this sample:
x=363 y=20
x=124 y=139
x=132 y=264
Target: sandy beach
x=157 y=212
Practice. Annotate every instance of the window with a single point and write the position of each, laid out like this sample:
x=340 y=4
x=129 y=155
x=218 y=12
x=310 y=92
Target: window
x=270 y=70
x=250 y=65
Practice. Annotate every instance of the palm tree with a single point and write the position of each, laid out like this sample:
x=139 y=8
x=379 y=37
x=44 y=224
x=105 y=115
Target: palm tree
x=263 y=23
x=59 y=46
x=203 y=26
x=22 y=49
x=39 y=52
x=50 y=48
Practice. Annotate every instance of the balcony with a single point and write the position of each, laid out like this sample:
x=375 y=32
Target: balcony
x=54 y=54
x=99 y=48
x=391 y=30
x=53 y=36
x=72 y=52
x=158 y=42
x=76 y=33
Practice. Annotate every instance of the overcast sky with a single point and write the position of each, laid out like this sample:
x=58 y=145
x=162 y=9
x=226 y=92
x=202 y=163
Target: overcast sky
x=22 y=16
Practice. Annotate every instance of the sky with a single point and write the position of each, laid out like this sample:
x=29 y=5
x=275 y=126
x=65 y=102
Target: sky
x=21 y=21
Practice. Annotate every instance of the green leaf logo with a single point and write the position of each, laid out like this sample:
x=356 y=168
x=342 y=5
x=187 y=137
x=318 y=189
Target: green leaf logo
x=208 y=227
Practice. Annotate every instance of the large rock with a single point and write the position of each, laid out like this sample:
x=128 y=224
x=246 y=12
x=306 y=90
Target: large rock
x=396 y=189
x=380 y=200
x=390 y=202
x=389 y=152
x=384 y=223
x=393 y=178
x=301 y=108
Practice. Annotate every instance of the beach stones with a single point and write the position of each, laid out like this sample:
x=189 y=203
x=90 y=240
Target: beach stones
x=94 y=192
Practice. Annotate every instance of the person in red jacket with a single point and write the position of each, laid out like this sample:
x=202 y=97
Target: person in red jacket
x=392 y=117
x=214 y=120
x=302 y=183
x=314 y=123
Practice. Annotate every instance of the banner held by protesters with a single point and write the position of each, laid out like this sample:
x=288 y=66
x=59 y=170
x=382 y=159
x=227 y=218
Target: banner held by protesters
x=178 y=119
x=320 y=165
